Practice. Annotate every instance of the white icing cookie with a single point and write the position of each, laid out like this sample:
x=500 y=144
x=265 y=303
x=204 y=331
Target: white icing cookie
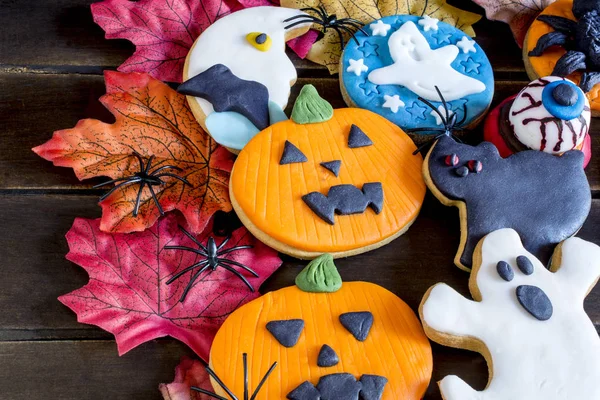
x=537 y=122
x=527 y=321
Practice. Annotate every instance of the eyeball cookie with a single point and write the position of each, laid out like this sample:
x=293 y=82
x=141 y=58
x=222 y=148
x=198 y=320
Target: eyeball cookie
x=563 y=41
x=339 y=181
x=402 y=62
x=527 y=321
x=322 y=339
x=237 y=75
x=545 y=198
x=550 y=114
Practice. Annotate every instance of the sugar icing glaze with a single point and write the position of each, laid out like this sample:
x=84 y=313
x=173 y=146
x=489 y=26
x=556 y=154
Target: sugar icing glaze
x=553 y=359
x=225 y=42
x=417 y=61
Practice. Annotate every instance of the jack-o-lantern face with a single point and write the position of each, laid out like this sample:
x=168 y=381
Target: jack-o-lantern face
x=342 y=186
x=359 y=342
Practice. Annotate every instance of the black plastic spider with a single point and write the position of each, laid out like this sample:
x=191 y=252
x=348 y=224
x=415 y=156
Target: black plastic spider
x=328 y=21
x=450 y=123
x=143 y=177
x=226 y=389
x=213 y=259
x=581 y=39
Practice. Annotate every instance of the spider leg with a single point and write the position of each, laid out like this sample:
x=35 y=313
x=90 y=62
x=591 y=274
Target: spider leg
x=191 y=267
x=220 y=382
x=165 y=167
x=350 y=31
x=191 y=283
x=444 y=104
x=589 y=80
x=193 y=239
x=306 y=19
x=140 y=160
x=233 y=271
x=138 y=199
x=235 y=249
x=353 y=23
x=427 y=143
x=160 y=209
x=464 y=118
x=263 y=380
x=111 y=181
x=206 y=392
x=559 y=23
x=105 y=195
x=184 y=248
x=323 y=12
x=245 y=362
x=232 y=262
x=149 y=164
x=433 y=108
x=224 y=242
x=337 y=29
x=179 y=178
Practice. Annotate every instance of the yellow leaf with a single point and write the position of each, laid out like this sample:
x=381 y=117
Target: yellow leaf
x=327 y=51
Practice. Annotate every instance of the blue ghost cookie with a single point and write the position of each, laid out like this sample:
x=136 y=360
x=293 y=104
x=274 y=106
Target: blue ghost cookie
x=406 y=57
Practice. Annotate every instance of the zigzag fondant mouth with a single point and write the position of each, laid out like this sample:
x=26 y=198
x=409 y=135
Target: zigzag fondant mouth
x=344 y=200
x=341 y=387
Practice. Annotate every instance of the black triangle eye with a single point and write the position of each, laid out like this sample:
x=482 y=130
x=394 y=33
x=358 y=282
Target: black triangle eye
x=291 y=154
x=358 y=138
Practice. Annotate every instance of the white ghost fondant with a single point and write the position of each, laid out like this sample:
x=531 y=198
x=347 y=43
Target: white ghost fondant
x=224 y=42
x=420 y=69
x=530 y=357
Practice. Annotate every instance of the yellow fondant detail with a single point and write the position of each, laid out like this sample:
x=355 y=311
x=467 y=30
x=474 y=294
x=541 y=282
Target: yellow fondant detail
x=265 y=46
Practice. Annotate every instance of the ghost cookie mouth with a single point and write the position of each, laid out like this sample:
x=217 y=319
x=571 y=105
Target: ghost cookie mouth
x=345 y=200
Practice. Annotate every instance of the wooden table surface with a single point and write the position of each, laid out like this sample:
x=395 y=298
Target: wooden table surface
x=52 y=56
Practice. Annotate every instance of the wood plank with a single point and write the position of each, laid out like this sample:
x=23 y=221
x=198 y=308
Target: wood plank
x=60 y=35
x=34 y=271
x=92 y=370
x=33 y=106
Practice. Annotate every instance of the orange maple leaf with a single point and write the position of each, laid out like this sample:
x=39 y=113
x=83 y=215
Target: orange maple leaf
x=152 y=120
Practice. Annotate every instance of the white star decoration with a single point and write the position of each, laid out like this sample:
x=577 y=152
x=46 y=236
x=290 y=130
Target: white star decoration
x=357 y=66
x=429 y=23
x=466 y=45
x=438 y=119
x=379 y=28
x=392 y=102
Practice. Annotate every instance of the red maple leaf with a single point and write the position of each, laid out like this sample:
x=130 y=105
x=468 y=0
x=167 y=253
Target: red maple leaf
x=128 y=295
x=188 y=373
x=163 y=31
x=152 y=120
x=519 y=14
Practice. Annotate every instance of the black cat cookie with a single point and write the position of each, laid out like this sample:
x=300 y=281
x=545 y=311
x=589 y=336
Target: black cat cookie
x=545 y=198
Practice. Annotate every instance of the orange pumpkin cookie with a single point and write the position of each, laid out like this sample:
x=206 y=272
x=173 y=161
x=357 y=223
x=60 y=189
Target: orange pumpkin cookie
x=339 y=181
x=562 y=42
x=338 y=342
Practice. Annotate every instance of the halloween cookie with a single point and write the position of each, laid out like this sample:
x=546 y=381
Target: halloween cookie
x=545 y=198
x=339 y=181
x=562 y=41
x=399 y=65
x=550 y=114
x=527 y=321
x=323 y=339
x=237 y=75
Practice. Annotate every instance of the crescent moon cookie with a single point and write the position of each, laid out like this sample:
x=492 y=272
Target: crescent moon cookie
x=339 y=181
x=563 y=41
x=237 y=75
x=405 y=58
x=527 y=321
x=545 y=198
x=322 y=339
x=550 y=114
